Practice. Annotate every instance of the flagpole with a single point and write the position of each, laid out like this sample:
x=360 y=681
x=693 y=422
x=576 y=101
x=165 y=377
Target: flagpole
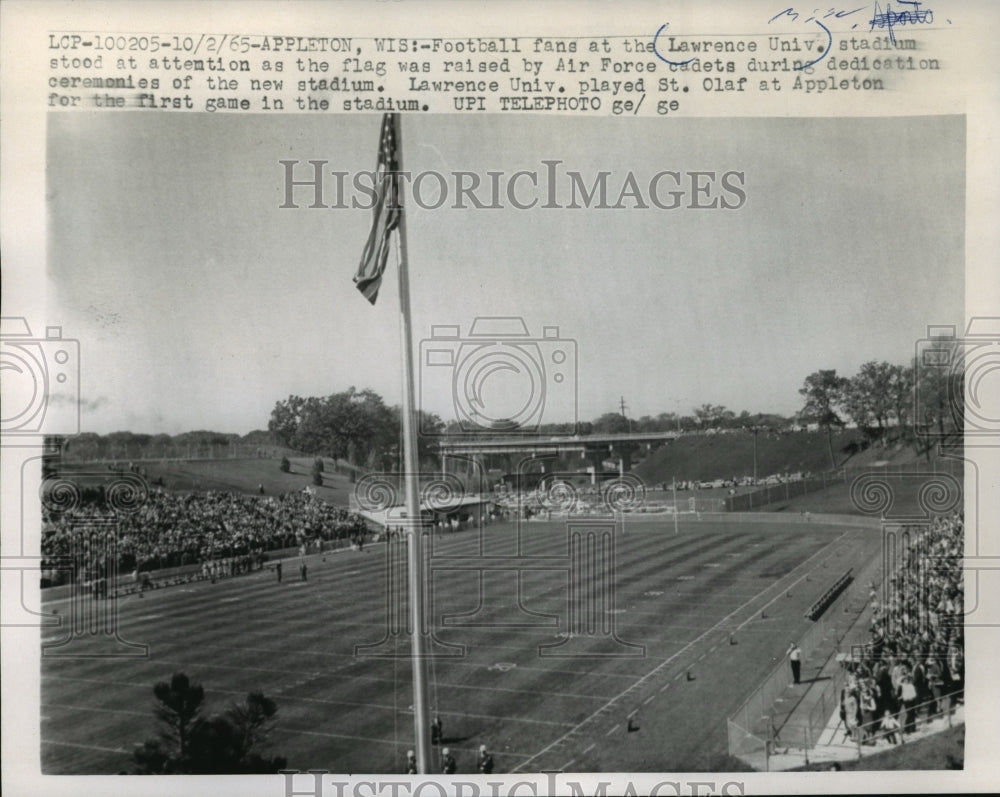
x=414 y=524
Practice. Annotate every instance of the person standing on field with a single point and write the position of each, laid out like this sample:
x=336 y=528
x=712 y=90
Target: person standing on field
x=795 y=660
x=485 y=762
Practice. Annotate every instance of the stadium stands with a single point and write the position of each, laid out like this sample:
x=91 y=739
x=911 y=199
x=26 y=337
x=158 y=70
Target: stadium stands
x=914 y=660
x=172 y=529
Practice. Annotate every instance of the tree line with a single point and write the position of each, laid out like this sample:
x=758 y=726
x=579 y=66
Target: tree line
x=915 y=403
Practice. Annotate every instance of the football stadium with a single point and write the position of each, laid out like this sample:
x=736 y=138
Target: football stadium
x=575 y=627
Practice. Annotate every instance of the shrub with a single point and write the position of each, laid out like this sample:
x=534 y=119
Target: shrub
x=286 y=466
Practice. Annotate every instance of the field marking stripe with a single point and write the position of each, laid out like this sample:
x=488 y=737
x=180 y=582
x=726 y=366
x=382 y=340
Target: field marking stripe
x=393 y=742
x=285 y=696
x=690 y=644
x=607 y=734
x=805 y=575
x=86 y=746
x=95 y=708
x=354 y=677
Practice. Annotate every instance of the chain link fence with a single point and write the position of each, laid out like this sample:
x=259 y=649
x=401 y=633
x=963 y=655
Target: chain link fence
x=791 y=488
x=753 y=734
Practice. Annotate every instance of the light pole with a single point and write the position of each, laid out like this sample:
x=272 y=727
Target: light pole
x=755 y=429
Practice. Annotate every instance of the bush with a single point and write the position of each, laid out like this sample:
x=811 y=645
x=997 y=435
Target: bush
x=286 y=466
x=317 y=478
x=318 y=465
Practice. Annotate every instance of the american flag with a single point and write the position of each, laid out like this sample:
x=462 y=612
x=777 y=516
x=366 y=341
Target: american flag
x=385 y=215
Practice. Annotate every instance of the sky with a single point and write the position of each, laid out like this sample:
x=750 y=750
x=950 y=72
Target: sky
x=199 y=302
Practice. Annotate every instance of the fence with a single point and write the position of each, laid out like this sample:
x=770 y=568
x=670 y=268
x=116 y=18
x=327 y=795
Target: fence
x=789 y=489
x=777 y=518
x=783 y=491
x=873 y=737
x=751 y=727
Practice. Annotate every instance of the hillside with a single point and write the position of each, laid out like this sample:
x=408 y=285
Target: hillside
x=708 y=457
x=241 y=476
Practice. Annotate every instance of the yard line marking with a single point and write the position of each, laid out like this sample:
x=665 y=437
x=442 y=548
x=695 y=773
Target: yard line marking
x=719 y=625
x=361 y=676
x=301 y=699
x=86 y=746
x=631 y=713
x=393 y=742
x=783 y=590
x=95 y=708
x=350 y=657
x=649 y=699
x=589 y=748
x=665 y=687
x=607 y=734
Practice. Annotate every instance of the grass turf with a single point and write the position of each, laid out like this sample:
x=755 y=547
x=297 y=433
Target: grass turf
x=681 y=597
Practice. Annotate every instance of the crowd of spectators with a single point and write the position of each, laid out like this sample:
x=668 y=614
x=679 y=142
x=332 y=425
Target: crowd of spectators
x=914 y=661
x=174 y=529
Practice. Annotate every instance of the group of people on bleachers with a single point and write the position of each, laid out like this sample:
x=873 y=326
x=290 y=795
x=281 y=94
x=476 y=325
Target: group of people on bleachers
x=233 y=530
x=913 y=664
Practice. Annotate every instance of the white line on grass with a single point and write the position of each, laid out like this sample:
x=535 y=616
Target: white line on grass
x=325 y=701
x=94 y=708
x=718 y=626
x=373 y=740
x=86 y=746
x=359 y=676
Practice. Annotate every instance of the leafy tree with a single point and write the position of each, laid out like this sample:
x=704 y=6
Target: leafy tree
x=868 y=397
x=710 y=416
x=611 y=423
x=178 y=710
x=253 y=720
x=227 y=743
x=285 y=419
x=901 y=395
x=939 y=381
x=286 y=466
x=151 y=758
x=824 y=392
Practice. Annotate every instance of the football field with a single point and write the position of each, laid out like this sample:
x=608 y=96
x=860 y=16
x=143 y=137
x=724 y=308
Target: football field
x=544 y=662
